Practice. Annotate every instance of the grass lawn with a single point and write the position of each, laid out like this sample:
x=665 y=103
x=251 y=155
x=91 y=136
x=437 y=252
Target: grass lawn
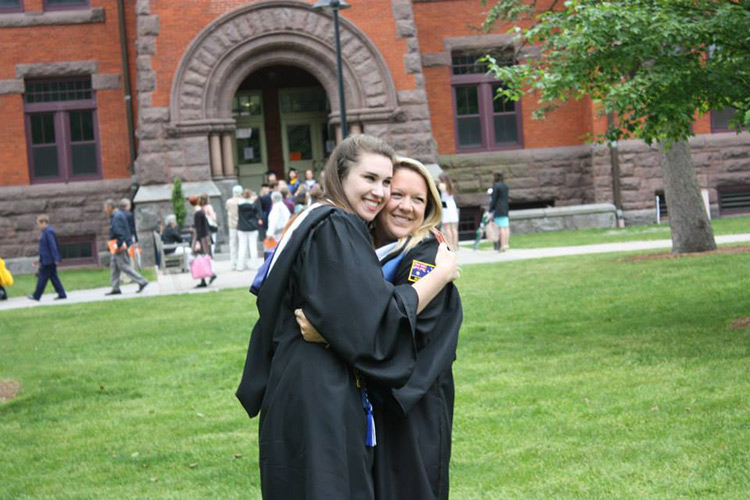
x=577 y=378
x=72 y=279
x=727 y=225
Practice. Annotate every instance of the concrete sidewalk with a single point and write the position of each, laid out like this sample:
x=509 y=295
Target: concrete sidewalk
x=172 y=284
x=469 y=256
x=166 y=284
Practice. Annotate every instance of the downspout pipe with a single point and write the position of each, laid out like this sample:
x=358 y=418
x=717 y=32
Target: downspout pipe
x=126 y=78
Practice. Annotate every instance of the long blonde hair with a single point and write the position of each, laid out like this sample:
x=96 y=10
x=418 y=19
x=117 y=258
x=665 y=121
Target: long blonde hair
x=433 y=210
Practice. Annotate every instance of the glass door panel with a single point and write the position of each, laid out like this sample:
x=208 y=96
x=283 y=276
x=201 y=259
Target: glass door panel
x=250 y=139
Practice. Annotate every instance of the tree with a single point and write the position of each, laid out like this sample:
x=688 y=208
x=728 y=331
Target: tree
x=654 y=64
x=178 y=202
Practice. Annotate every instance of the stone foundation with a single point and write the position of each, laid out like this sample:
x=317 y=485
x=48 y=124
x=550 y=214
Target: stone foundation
x=595 y=216
x=562 y=175
x=74 y=209
x=719 y=159
x=582 y=175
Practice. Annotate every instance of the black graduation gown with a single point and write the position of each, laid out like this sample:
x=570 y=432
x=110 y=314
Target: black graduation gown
x=312 y=426
x=414 y=422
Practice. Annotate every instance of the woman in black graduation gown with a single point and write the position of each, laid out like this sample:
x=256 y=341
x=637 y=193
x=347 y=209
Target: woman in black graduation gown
x=414 y=422
x=313 y=430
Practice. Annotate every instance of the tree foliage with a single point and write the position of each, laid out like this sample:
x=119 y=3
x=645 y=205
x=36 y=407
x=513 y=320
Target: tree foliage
x=178 y=202
x=654 y=63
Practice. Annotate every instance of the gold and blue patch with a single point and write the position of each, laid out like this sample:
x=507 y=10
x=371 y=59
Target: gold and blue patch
x=419 y=270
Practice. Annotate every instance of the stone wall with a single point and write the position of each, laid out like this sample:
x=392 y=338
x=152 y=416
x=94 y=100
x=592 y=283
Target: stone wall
x=594 y=216
x=719 y=159
x=582 y=175
x=563 y=175
x=74 y=209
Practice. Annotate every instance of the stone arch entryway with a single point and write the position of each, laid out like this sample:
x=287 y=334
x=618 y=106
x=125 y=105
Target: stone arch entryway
x=193 y=138
x=287 y=33
x=268 y=33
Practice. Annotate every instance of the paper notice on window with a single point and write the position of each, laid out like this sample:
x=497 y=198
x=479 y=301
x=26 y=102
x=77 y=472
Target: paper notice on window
x=248 y=153
x=244 y=133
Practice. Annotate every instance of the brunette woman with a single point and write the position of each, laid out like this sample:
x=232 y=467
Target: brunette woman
x=201 y=244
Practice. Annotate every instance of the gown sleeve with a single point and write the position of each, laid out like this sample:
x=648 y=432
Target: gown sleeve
x=367 y=321
x=436 y=333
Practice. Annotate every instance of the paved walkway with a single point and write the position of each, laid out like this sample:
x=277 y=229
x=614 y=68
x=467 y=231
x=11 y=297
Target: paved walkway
x=172 y=284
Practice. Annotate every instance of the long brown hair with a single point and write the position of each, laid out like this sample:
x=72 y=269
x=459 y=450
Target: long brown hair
x=450 y=186
x=343 y=158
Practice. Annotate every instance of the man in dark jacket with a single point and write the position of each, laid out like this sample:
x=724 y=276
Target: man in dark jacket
x=49 y=257
x=120 y=236
x=499 y=211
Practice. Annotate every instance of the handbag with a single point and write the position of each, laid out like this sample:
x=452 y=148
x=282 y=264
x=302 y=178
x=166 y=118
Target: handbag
x=212 y=225
x=492 y=231
x=200 y=267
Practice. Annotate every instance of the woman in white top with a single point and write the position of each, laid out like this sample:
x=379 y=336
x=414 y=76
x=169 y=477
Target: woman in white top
x=278 y=217
x=450 y=211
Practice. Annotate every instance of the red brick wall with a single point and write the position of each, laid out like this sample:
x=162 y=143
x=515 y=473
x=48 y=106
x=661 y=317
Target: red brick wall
x=39 y=44
x=563 y=127
x=13 y=164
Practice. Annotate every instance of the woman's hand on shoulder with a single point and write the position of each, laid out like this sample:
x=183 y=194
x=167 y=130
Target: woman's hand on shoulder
x=309 y=333
x=447 y=262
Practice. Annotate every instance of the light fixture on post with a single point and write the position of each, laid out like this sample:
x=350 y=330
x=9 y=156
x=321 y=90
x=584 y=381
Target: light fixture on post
x=335 y=6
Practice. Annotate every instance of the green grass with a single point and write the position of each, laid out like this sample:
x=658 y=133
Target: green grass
x=72 y=279
x=727 y=225
x=577 y=378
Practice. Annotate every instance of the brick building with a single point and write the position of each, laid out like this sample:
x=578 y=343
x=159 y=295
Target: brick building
x=116 y=98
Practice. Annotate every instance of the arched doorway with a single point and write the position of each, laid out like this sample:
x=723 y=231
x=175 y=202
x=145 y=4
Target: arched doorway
x=282 y=122
x=261 y=38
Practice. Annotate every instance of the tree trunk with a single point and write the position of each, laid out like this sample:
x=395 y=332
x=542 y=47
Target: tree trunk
x=688 y=220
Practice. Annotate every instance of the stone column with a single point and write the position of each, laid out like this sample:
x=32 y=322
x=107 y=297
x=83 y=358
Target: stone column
x=355 y=128
x=227 y=154
x=214 y=145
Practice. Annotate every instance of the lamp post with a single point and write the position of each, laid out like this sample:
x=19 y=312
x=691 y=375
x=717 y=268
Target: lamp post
x=335 y=6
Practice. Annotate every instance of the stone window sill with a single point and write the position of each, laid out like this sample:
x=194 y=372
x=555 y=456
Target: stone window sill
x=52 y=18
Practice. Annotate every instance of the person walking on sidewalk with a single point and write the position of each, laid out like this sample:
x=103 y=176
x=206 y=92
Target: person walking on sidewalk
x=499 y=211
x=119 y=235
x=49 y=257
